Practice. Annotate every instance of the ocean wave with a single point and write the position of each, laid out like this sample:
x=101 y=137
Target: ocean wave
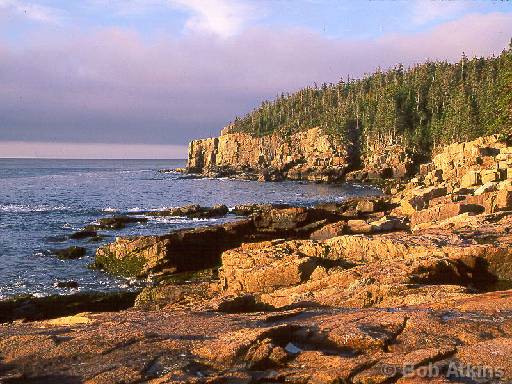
x=136 y=171
x=109 y=209
x=201 y=220
x=22 y=208
x=135 y=209
x=181 y=219
x=128 y=210
x=219 y=178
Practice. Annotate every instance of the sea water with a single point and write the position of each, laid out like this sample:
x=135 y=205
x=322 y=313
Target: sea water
x=42 y=202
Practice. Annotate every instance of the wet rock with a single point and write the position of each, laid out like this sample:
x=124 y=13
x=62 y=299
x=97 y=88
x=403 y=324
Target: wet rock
x=97 y=238
x=39 y=308
x=251 y=209
x=193 y=211
x=56 y=239
x=83 y=234
x=173 y=170
x=270 y=175
x=247 y=209
x=67 y=284
x=115 y=222
x=70 y=253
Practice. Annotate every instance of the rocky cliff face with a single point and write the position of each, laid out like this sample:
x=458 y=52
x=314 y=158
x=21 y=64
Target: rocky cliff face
x=310 y=155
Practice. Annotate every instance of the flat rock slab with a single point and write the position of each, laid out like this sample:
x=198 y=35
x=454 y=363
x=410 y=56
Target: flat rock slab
x=311 y=345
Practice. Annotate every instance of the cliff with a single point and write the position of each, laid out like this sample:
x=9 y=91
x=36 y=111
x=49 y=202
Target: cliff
x=312 y=155
x=309 y=155
x=381 y=125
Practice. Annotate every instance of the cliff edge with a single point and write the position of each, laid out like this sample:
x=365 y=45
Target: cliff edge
x=381 y=126
x=311 y=155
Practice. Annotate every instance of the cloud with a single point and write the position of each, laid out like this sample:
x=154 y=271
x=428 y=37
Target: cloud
x=425 y=11
x=127 y=7
x=221 y=17
x=112 y=86
x=474 y=34
x=31 y=11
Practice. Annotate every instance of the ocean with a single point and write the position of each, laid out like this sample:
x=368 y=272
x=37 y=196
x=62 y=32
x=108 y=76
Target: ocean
x=44 y=201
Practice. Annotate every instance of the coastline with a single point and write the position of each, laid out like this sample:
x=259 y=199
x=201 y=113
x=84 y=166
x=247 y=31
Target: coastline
x=367 y=290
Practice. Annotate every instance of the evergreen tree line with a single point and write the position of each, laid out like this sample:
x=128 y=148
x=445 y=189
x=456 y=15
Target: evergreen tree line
x=424 y=106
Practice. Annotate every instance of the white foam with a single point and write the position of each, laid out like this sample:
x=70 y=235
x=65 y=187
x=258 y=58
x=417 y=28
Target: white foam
x=136 y=209
x=22 y=208
x=136 y=171
x=180 y=219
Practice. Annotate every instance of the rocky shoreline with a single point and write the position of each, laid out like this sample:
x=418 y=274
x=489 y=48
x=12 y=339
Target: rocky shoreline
x=410 y=287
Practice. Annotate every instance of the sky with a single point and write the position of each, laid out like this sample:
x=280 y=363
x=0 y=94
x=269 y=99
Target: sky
x=141 y=78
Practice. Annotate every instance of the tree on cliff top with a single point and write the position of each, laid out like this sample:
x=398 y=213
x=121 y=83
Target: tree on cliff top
x=429 y=104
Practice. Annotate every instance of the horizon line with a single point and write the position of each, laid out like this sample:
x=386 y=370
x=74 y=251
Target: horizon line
x=85 y=158
x=90 y=151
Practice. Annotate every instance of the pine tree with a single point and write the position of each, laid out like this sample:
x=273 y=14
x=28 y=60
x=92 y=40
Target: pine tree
x=424 y=106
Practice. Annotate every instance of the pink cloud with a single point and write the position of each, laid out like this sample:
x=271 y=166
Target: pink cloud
x=113 y=86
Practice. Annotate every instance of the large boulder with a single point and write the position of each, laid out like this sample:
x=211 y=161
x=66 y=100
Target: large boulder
x=422 y=197
x=70 y=253
x=180 y=251
x=444 y=211
x=115 y=222
x=378 y=270
x=471 y=179
x=330 y=230
x=504 y=199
